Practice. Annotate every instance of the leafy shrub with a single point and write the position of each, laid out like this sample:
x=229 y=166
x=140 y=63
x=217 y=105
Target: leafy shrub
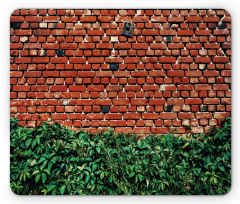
x=51 y=159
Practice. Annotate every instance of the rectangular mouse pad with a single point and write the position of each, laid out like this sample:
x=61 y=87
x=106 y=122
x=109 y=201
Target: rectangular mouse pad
x=120 y=101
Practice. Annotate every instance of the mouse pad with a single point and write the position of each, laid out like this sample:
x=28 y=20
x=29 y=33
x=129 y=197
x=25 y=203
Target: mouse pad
x=120 y=101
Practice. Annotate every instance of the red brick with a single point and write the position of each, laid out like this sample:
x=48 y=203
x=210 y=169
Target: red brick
x=68 y=73
x=123 y=130
x=195 y=19
x=77 y=88
x=168 y=116
x=203 y=115
x=122 y=74
x=158 y=130
x=95 y=88
x=211 y=101
x=221 y=115
x=50 y=73
x=103 y=74
x=158 y=19
x=203 y=60
x=113 y=116
x=223 y=87
x=140 y=19
x=59 y=116
x=192 y=101
x=86 y=45
x=185 y=115
x=139 y=73
x=194 y=46
x=150 y=87
x=76 y=116
x=21 y=88
x=86 y=74
x=114 y=60
x=16 y=19
x=203 y=32
x=88 y=19
x=185 y=88
x=84 y=102
x=203 y=87
x=132 y=88
x=193 y=73
x=139 y=101
x=157 y=101
x=131 y=60
x=114 y=88
x=95 y=116
x=41 y=32
x=185 y=32
x=220 y=59
x=131 y=116
x=102 y=102
x=23 y=32
x=95 y=60
x=69 y=19
x=51 y=18
x=150 y=116
x=141 y=129
x=210 y=19
x=185 y=60
x=23 y=60
x=175 y=73
x=58 y=60
x=58 y=88
x=167 y=59
x=104 y=45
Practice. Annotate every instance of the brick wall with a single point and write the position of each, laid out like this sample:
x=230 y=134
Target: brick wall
x=174 y=73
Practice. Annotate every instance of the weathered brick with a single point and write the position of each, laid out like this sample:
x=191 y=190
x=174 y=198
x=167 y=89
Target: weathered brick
x=131 y=116
x=76 y=64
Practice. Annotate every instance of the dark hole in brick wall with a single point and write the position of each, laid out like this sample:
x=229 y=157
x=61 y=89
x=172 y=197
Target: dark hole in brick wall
x=113 y=67
x=60 y=53
x=169 y=108
x=222 y=26
x=220 y=16
x=203 y=108
x=169 y=38
x=105 y=109
x=15 y=25
x=127 y=29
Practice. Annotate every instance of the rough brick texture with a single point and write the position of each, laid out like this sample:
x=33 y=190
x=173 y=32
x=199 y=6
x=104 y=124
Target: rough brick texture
x=74 y=66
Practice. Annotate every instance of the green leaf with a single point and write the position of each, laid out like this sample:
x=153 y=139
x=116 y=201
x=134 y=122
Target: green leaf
x=94 y=167
x=62 y=189
x=28 y=143
x=51 y=187
x=37 y=178
x=35 y=172
x=131 y=174
x=98 y=149
x=44 y=177
x=47 y=171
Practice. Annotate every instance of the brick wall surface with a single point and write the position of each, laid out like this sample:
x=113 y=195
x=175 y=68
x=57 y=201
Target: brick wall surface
x=76 y=67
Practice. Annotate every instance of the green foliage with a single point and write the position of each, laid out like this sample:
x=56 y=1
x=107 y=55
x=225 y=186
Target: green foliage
x=51 y=159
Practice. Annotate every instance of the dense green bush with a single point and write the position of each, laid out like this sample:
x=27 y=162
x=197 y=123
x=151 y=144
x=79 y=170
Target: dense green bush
x=51 y=159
